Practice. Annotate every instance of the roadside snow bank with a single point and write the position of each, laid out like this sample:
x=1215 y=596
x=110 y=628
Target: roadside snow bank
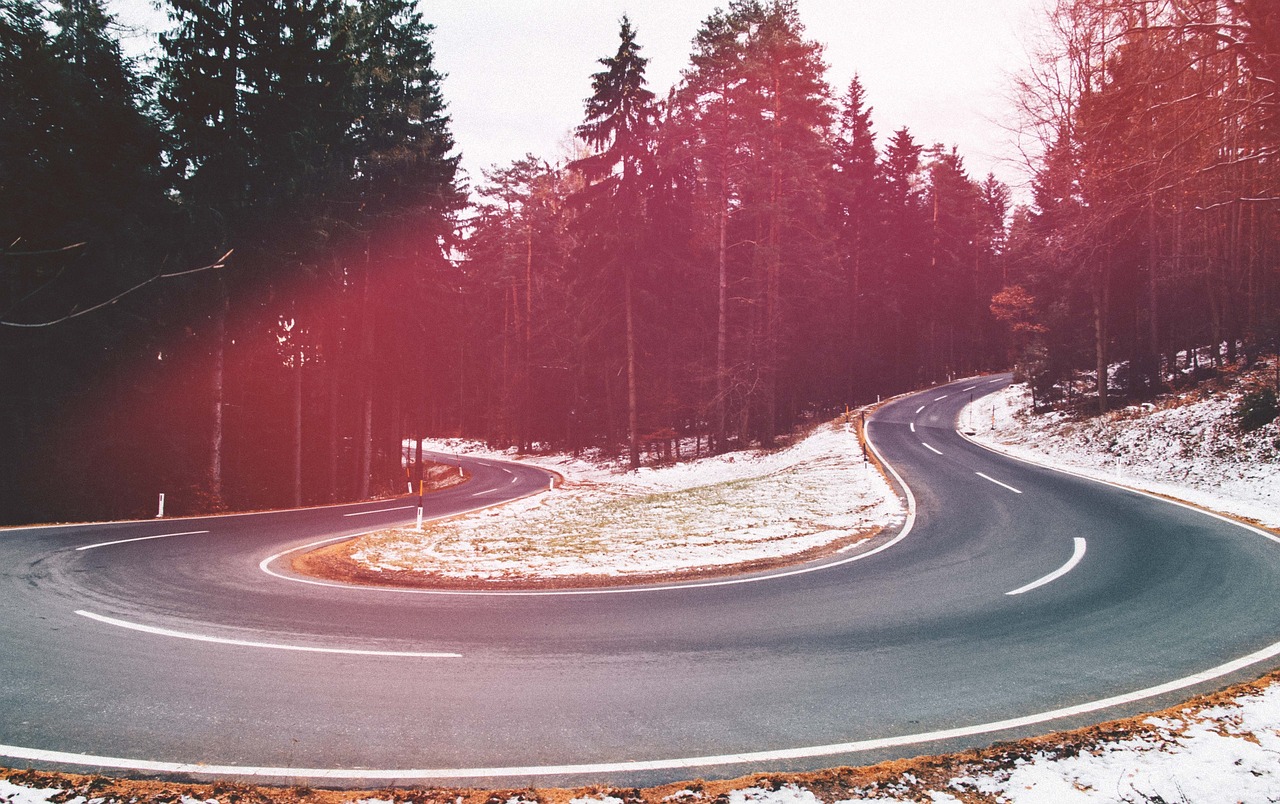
x=1193 y=451
x=714 y=512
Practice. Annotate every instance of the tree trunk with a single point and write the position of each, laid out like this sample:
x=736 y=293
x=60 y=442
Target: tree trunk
x=297 y=423
x=722 y=323
x=633 y=418
x=216 y=435
x=366 y=371
x=1101 y=301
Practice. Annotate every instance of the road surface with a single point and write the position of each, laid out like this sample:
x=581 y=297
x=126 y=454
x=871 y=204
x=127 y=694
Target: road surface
x=1018 y=600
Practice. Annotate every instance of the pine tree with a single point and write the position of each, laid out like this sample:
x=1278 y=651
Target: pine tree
x=856 y=201
x=618 y=125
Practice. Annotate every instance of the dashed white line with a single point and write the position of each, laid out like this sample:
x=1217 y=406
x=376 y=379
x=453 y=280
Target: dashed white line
x=141 y=539
x=382 y=510
x=940 y=398
x=922 y=407
x=997 y=482
x=147 y=629
x=930 y=447
x=1076 y=555
x=913 y=427
x=970 y=388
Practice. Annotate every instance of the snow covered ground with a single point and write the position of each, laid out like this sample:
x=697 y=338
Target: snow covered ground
x=732 y=509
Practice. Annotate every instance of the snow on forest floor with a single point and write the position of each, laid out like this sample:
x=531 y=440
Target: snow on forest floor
x=743 y=508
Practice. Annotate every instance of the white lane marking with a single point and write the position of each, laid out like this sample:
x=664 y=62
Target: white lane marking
x=515 y=480
x=834 y=749
x=141 y=539
x=922 y=407
x=482 y=493
x=147 y=629
x=913 y=427
x=931 y=447
x=1076 y=555
x=970 y=388
x=381 y=510
x=940 y=398
x=997 y=482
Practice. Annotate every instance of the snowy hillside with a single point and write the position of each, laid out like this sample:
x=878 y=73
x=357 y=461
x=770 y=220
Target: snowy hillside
x=1188 y=447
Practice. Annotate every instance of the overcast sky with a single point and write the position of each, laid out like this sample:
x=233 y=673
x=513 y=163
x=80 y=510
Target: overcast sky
x=519 y=70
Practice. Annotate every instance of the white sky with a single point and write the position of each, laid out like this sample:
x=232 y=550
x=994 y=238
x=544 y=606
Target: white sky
x=519 y=70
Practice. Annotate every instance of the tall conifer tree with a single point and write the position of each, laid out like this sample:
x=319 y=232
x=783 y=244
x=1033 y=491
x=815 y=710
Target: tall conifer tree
x=619 y=119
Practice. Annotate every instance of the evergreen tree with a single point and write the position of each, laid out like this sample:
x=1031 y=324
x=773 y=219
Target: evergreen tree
x=904 y=289
x=856 y=200
x=619 y=120
x=82 y=220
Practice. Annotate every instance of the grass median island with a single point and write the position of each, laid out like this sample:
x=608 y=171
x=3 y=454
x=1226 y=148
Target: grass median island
x=732 y=513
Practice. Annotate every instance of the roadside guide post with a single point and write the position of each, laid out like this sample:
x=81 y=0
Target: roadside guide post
x=422 y=485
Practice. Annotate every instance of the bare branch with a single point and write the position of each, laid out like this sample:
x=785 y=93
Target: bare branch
x=219 y=263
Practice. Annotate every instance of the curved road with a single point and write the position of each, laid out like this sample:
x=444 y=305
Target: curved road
x=183 y=648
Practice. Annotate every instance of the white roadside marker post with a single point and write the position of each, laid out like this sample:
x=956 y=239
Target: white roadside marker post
x=422 y=484
x=160 y=513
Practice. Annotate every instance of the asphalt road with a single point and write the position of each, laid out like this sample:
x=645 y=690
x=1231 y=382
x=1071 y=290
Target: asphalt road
x=184 y=648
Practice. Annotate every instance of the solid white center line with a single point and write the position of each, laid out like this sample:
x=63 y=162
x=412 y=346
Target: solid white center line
x=147 y=629
x=931 y=447
x=141 y=539
x=1076 y=555
x=997 y=482
x=382 y=510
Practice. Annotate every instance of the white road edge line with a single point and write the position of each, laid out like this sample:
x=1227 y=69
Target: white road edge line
x=141 y=539
x=381 y=511
x=147 y=629
x=853 y=747
x=930 y=447
x=1076 y=555
x=997 y=482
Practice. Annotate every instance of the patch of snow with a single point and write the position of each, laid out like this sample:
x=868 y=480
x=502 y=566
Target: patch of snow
x=605 y=522
x=787 y=794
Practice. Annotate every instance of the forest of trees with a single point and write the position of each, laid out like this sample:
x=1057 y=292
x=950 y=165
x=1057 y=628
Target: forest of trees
x=247 y=275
